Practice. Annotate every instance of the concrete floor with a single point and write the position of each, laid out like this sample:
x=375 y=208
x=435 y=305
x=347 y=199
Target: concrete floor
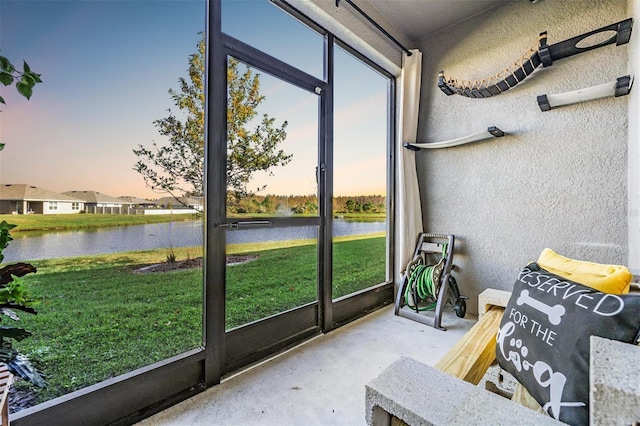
x=321 y=382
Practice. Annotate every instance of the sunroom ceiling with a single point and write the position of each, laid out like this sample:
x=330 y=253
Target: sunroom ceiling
x=419 y=18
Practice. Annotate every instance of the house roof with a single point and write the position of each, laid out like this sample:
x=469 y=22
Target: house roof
x=189 y=201
x=21 y=191
x=135 y=200
x=95 y=197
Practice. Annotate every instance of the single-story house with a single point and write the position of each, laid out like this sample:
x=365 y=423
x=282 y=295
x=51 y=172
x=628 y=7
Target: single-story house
x=97 y=202
x=138 y=202
x=185 y=202
x=27 y=199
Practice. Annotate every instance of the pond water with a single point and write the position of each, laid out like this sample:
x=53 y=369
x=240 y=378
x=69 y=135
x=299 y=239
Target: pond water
x=27 y=247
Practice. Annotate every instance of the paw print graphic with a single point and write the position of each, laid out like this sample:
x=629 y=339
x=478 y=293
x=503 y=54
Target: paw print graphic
x=516 y=352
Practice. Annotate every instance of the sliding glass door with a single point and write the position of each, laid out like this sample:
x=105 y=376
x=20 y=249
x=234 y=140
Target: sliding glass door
x=272 y=213
x=306 y=176
x=272 y=218
x=270 y=184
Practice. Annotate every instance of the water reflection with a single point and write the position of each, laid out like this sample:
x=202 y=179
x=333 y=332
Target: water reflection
x=32 y=246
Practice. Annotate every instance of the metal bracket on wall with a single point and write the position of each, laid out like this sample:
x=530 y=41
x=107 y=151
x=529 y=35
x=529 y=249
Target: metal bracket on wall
x=485 y=134
x=544 y=55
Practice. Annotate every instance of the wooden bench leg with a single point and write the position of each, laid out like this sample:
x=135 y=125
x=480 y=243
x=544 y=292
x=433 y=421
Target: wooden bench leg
x=6 y=378
x=470 y=358
x=5 y=413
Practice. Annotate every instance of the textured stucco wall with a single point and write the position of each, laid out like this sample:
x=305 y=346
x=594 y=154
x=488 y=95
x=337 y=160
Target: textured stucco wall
x=559 y=179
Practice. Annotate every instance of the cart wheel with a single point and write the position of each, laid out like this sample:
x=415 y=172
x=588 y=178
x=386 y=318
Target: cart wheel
x=460 y=308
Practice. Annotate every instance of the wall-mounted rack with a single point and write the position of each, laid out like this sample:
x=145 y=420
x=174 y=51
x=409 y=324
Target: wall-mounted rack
x=619 y=87
x=492 y=131
x=543 y=55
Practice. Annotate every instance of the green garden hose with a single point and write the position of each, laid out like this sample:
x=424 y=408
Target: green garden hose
x=422 y=279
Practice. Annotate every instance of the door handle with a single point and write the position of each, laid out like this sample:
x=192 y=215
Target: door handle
x=320 y=170
x=245 y=224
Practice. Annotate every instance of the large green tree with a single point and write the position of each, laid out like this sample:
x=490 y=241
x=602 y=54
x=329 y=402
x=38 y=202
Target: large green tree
x=177 y=168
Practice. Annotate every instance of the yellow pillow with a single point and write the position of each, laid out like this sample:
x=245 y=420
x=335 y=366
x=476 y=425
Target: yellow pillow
x=614 y=279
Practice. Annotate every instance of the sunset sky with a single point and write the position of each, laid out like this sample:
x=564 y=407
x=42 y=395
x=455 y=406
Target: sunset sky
x=107 y=67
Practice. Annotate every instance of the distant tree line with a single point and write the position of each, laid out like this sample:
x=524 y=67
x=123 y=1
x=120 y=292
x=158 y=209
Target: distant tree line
x=304 y=204
x=360 y=204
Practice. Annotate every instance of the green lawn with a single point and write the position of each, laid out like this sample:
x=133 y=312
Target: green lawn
x=97 y=319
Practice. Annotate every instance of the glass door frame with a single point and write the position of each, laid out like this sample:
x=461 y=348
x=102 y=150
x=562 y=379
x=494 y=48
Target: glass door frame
x=225 y=354
x=239 y=347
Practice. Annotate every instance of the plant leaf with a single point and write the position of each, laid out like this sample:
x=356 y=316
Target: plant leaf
x=19 y=269
x=6 y=65
x=36 y=77
x=10 y=314
x=7 y=354
x=22 y=308
x=14 y=333
x=26 y=67
x=1 y=144
x=24 y=89
x=27 y=78
x=6 y=78
x=2 y=102
x=6 y=225
x=21 y=366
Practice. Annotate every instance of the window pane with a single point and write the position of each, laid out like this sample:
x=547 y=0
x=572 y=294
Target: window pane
x=266 y=27
x=272 y=146
x=360 y=176
x=106 y=67
x=270 y=270
x=279 y=131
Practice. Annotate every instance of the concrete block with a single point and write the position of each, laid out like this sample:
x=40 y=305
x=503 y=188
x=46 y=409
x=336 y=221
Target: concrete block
x=498 y=380
x=421 y=395
x=614 y=382
x=492 y=297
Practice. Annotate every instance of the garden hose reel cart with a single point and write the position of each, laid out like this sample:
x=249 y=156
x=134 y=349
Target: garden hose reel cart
x=427 y=285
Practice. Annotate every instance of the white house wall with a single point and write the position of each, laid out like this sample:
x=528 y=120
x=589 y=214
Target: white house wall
x=111 y=205
x=62 y=208
x=559 y=178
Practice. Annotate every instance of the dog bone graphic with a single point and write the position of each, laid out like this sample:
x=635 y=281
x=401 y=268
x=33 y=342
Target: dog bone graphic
x=554 y=313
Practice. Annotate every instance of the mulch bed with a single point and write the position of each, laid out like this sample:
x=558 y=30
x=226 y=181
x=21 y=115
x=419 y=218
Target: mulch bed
x=190 y=264
x=20 y=399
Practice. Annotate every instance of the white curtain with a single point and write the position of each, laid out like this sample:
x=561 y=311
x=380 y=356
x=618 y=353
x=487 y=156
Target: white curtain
x=408 y=209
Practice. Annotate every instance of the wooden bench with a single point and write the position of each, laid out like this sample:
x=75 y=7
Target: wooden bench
x=6 y=378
